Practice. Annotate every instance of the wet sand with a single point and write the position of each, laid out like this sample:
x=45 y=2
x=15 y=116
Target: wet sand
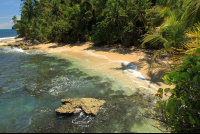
x=108 y=60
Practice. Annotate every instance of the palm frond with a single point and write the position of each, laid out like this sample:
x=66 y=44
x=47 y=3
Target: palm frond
x=192 y=15
x=154 y=39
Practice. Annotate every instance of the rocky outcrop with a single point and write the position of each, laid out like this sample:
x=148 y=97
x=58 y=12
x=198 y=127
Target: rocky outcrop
x=35 y=42
x=89 y=105
x=24 y=47
x=21 y=45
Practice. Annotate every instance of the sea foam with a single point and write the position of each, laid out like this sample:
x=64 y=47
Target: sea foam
x=7 y=38
x=7 y=50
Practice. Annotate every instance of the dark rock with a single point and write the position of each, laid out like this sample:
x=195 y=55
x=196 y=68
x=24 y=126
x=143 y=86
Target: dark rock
x=35 y=42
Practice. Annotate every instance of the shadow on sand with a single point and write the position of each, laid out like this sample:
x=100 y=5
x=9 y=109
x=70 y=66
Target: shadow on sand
x=154 y=74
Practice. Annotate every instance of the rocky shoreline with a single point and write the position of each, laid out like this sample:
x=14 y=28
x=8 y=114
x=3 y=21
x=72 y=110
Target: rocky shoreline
x=20 y=43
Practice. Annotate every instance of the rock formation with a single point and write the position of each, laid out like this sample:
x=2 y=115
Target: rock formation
x=19 y=45
x=89 y=105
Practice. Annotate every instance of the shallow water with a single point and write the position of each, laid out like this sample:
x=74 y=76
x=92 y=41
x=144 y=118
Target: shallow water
x=32 y=83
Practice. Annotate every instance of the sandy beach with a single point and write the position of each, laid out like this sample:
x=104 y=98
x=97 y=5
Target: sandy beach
x=108 y=60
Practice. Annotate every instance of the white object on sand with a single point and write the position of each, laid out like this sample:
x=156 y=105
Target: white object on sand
x=129 y=67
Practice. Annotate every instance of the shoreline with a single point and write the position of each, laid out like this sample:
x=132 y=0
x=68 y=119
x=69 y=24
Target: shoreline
x=107 y=59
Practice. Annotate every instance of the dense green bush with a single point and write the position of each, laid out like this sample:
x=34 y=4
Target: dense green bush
x=107 y=21
x=60 y=31
x=102 y=33
x=181 y=112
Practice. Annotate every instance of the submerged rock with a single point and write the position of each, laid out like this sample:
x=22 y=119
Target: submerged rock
x=89 y=105
x=19 y=45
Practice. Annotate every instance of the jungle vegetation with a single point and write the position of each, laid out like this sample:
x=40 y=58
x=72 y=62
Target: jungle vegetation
x=171 y=26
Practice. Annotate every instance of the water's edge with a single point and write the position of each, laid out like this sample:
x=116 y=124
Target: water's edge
x=93 y=79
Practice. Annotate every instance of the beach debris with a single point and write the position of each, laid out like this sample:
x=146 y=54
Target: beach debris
x=124 y=64
x=128 y=66
x=88 y=105
x=159 y=94
x=157 y=124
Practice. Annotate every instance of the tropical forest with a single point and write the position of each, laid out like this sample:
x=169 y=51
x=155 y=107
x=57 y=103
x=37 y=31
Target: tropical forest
x=172 y=27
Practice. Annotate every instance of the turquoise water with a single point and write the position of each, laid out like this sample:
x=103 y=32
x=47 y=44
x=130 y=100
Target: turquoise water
x=33 y=83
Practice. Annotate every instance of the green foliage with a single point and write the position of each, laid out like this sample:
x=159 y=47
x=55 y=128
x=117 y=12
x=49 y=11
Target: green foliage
x=191 y=15
x=60 y=31
x=14 y=19
x=101 y=33
x=169 y=34
x=169 y=37
x=107 y=21
x=181 y=111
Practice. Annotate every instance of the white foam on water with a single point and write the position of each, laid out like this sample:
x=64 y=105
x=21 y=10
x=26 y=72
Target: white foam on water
x=35 y=52
x=19 y=49
x=122 y=71
x=133 y=79
x=83 y=120
x=132 y=69
x=7 y=38
x=13 y=50
x=127 y=67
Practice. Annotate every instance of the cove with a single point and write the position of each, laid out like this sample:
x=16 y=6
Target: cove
x=32 y=83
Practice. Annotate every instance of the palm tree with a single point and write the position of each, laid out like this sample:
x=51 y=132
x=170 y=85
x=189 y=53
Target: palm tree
x=85 y=20
x=169 y=37
x=192 y=14
x=14 y=19
x=141 y=8
x=28 y=10
x=57 y=11
x=115 y=15
x=194 y=39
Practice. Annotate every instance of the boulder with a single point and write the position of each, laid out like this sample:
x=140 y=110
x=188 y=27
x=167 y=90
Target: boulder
x=88 y=105
x=25 y=48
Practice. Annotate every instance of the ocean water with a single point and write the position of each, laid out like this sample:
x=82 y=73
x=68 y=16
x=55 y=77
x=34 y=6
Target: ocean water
x=32 y=84
x=7 y=34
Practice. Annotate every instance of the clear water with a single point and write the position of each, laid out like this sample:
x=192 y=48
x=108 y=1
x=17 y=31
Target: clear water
x=33 y=83
x=7 y=34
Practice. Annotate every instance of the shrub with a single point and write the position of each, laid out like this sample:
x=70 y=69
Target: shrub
x=181 y=112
